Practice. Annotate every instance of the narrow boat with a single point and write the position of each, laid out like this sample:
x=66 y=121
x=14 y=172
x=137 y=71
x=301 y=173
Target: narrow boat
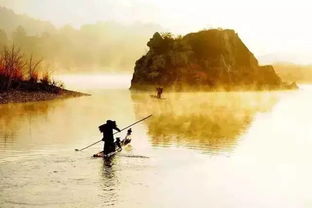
x=155 y=96
x=118 y=146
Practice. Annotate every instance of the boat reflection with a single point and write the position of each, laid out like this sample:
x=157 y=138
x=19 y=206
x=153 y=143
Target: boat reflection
x=211 y=121
x=109 y=183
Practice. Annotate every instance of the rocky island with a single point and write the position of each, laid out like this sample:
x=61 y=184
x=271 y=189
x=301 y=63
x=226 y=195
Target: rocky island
x=214 y=59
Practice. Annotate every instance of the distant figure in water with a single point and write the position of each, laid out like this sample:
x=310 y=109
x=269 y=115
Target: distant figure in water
x=159 y=92
x=108 y=138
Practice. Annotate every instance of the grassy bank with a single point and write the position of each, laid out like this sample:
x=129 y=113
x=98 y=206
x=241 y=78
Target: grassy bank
x=23 y=79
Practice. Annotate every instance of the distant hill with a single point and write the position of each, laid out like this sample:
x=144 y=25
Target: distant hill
x=9 y=21
x=205 y=60
x=100 y=47
x=294 y=73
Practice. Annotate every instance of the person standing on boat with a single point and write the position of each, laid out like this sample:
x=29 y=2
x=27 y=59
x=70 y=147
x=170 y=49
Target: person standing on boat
x=108 y=137
x=159 y=92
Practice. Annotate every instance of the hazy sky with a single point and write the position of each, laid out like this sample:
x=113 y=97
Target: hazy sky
x=272 y=29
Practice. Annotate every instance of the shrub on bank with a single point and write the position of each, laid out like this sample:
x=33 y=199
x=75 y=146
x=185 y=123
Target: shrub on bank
x=17 y=72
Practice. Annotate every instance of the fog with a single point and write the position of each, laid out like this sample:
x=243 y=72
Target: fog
x=105 y=46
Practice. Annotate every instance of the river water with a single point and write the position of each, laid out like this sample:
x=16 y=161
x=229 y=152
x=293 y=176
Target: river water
x=205 y=149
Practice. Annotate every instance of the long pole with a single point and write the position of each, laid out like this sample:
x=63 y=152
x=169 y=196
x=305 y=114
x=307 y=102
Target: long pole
x=115 y=133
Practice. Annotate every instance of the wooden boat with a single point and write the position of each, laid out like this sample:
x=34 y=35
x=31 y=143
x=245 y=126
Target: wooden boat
x=118 y=146
x=155 y=96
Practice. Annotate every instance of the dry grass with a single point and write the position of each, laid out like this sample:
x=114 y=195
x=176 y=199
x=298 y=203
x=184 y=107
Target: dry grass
x=17 y=72
x=11 y=67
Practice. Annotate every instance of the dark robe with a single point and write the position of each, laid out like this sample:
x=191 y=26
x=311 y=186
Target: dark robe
x=108 y=138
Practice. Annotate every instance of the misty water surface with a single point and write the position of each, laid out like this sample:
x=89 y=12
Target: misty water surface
x=205 y=149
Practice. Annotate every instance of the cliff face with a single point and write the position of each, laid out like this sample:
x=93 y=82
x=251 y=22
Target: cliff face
x=209 y=59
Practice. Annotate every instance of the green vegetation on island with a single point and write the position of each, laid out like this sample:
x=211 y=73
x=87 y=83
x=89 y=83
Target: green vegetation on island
x=214 y=59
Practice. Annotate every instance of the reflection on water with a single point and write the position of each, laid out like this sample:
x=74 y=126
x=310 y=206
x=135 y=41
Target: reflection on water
x=208 y=121
x=18 y=118
x=110 y=182
x=263 y=144
x=58 y=124
x=211 y=121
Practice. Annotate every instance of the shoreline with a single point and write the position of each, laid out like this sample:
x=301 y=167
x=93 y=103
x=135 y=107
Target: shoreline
x=186 y=88
x=18 y=96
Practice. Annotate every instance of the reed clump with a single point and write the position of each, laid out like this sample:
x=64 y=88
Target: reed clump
x=24 y=73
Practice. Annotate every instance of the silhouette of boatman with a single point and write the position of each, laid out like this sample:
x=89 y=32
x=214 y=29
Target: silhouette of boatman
x=159 y=92
x=108 y=137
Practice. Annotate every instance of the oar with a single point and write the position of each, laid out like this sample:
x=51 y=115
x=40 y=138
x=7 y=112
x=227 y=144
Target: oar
x=115 y=133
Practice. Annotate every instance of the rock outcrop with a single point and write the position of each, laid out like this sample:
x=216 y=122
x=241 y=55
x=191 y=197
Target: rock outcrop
x=206 y=60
